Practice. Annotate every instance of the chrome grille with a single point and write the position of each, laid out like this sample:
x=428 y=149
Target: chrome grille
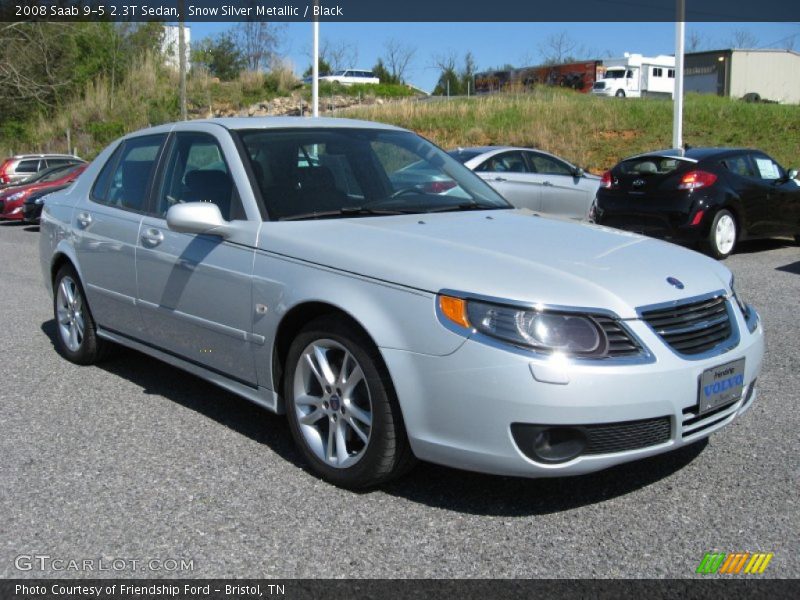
x=694 y=327
x=620 y=343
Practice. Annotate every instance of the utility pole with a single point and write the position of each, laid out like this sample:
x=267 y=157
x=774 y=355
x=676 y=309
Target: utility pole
x=182 y=59
x=315 y=72
x=677 y=98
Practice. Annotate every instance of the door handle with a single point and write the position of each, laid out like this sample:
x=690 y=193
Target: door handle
x=152 y=237
x=547 y=183
x=499 y=179
x=84 y=220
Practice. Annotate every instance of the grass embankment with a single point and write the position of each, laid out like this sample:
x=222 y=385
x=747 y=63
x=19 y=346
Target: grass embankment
x=595 y=132
x=148 y=95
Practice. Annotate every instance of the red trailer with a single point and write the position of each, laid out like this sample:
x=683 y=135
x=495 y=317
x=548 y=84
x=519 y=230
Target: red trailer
x=578 y=76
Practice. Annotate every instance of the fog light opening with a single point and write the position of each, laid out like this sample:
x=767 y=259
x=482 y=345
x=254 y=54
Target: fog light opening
x=556 y=445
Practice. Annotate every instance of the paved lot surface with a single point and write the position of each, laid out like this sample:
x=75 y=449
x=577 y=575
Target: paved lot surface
x=136 y=460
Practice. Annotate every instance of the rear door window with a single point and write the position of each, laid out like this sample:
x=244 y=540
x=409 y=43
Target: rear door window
x=507 y=162
x=125 y=179
x=28 y=166
x=740 y=165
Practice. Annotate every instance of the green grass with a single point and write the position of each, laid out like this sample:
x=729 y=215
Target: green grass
x=595 y=132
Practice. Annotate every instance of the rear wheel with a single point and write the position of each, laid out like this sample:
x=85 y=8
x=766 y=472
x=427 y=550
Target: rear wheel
x=722 y=236
x=76 y=337
x=341 y=406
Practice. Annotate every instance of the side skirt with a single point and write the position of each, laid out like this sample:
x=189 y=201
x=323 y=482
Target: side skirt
x=262 y=396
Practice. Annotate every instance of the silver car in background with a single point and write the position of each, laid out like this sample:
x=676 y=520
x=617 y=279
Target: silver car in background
x=284 y=260
x=533 y=179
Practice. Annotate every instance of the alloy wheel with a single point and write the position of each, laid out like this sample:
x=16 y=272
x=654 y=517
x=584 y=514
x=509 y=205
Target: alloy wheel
x=69 y=311
x=332 y=403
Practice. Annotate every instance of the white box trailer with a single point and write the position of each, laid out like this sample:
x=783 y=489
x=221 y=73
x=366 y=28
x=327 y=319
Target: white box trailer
x=635 y=76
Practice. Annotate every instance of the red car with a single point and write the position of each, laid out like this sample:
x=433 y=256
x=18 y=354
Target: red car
x=12 y=199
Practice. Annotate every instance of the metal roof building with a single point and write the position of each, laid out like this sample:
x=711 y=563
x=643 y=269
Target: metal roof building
x=772 y=74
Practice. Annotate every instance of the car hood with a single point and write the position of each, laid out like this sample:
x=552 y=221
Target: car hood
x=504 y=254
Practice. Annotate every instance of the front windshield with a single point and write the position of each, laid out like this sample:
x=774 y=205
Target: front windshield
x=615 y=74
x=329 y=172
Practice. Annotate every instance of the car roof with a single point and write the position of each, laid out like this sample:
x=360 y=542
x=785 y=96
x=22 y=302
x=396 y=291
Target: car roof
x=240 y=123
x=690 y=154
x=27 y=156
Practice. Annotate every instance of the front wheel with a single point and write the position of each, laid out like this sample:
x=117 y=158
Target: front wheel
x=620 y=94
x=76 y=337
x=341 y=406
x=722 y=236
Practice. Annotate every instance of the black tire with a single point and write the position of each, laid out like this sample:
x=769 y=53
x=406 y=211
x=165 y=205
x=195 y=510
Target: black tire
x=387 y=453
x=712 y=245
x=620 y=94
x=89 y=349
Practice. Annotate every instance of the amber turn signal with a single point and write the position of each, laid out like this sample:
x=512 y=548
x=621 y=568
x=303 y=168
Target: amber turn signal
x=454 y=309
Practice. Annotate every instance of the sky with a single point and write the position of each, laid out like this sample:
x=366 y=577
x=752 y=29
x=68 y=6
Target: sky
x=496 y=44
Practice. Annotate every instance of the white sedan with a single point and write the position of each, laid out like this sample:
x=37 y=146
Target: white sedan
x=532 y=179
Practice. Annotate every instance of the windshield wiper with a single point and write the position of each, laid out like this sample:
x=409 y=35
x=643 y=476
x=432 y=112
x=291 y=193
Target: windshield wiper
x=472 y=205
x=346 y=211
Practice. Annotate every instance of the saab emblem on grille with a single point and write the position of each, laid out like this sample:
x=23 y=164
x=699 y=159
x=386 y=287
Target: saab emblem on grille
x=638 y=182
x=675 y=282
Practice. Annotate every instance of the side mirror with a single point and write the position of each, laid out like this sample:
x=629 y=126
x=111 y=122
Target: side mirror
x=791 y=174
x=197 y=217
x=578 y=172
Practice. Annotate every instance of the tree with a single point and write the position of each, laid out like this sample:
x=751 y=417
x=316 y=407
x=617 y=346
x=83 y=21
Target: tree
x=558 y=48
x=449 y=82
x=382 y=73
x=258 y=43
x=398 y=58
x=742 y=38
x=339 y=55
x=324 y=69
x=694 y=41
x=468 y=74
x=220 y=56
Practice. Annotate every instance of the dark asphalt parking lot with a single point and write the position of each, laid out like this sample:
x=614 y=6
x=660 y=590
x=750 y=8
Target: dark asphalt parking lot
x=136 y=460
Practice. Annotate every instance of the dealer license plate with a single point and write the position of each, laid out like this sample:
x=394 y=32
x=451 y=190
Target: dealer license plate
x=721 y=385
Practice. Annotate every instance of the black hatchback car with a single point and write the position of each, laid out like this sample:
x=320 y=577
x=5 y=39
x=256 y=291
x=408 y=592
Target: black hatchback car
x=704 y=197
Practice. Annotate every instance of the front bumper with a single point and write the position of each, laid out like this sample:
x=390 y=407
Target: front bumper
x=459 y=409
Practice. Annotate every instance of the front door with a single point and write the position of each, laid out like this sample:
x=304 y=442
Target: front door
x=195 y=291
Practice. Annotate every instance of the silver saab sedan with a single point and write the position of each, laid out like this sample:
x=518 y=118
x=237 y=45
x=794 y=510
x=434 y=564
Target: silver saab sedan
x=282 y=260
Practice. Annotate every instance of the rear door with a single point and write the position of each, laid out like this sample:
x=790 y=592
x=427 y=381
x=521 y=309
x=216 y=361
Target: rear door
x=562 y=192
x=107 y=231
x=195 y=291
x=509 y=174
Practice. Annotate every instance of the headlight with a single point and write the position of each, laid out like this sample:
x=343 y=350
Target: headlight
x=16 y=196
x=739 y=302
x=545 y=331
x=747 y=312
